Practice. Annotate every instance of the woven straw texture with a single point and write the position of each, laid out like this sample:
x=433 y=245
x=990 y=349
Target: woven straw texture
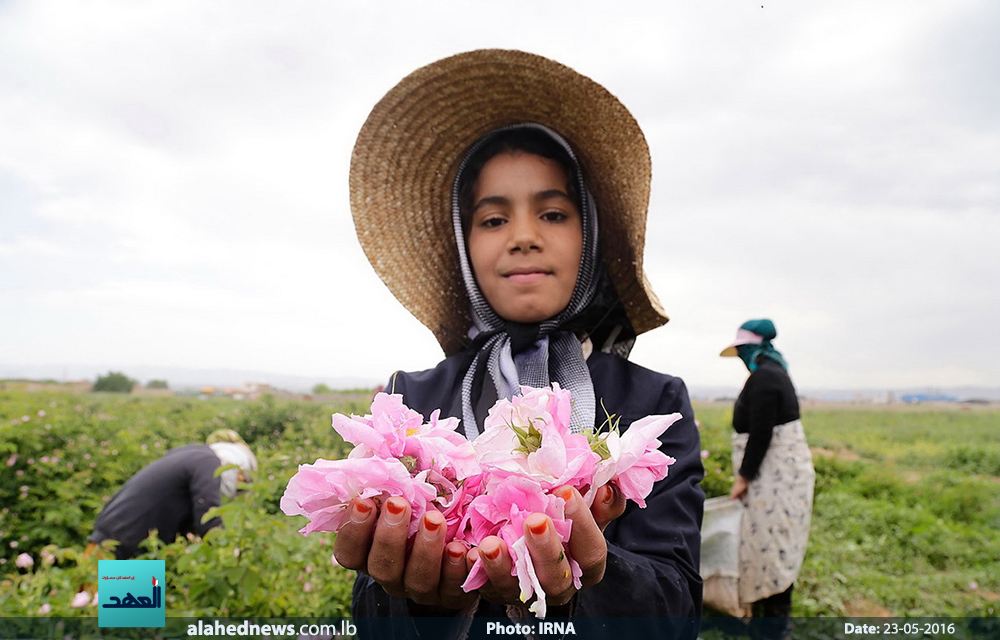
x=406 y=155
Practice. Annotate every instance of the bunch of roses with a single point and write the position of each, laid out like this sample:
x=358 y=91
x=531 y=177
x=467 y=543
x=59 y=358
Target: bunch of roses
x=485 y=487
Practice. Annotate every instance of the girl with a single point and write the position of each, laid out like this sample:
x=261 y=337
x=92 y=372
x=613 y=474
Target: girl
x=501 y=196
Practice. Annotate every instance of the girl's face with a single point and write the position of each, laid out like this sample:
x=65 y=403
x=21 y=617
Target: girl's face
x=525 y=237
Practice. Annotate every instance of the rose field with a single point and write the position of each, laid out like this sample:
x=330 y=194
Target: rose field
x=906 y=520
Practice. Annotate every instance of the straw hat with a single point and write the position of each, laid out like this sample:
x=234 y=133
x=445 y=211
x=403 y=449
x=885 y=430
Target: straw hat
x=406 y=155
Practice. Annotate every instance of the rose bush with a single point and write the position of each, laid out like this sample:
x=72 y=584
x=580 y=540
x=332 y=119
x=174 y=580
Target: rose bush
x=927 y=476
x=62 y=455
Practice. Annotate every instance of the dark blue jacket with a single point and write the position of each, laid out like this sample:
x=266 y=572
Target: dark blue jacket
x=170 y=494
x=653 y=553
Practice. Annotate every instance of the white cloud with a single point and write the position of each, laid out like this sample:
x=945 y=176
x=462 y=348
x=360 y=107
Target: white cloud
x=175 y=191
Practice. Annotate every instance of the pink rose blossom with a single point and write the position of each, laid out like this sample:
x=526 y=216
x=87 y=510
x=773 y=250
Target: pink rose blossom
x=502 y=511
x=551 y=406
x=529 y=436
x=81 y=599
x=45 y=609
x=635 y=461
x=323 y=491
x=24 y=560
x=453 y=501
x=488 y=487
x=12 y=459
x=393 y=430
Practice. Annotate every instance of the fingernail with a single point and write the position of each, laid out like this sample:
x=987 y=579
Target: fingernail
x=566 y=493
x=431 y=525
x=492 y=555
x=455 y=556
x=360 y=512
x=538 y=529
x=430 y=528
x=394 y=512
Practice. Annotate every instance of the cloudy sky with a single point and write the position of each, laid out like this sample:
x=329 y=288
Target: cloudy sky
x=173 y=179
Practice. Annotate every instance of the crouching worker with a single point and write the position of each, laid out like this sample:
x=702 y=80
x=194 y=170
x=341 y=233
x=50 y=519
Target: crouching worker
x=172 y=494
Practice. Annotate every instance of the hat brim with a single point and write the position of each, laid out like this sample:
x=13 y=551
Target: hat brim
x=404 y=163
x=742 y=337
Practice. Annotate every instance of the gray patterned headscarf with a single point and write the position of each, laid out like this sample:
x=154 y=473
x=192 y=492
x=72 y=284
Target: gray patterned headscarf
x=555 y=355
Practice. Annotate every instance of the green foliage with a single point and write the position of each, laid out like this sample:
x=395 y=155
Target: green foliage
x=978 y=459
x=265 y=419
x=905 y=517
x=715 y=426
x=64 y=455
x=114 y=382
x=230 y=573
x=906 y=509
x=321 y=389
x=157 y=384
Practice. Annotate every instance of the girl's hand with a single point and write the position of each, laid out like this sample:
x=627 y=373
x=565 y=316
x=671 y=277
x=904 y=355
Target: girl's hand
x=739 y=488
x=586 y=545
x=375 y=543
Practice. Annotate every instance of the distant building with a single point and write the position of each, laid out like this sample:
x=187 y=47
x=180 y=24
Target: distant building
x=249 y=391
x=915 y=398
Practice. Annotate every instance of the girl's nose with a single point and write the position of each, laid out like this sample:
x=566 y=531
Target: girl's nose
x=524 y=233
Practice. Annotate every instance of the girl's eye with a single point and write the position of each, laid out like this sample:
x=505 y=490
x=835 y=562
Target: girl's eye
x=554 y=216
x=492 y=222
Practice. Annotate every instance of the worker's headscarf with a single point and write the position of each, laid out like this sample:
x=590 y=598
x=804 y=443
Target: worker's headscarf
x=239 y=454
x=753 y=340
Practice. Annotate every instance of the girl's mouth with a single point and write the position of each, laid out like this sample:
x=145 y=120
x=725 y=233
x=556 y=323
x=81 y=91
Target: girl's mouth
x=525 y=278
